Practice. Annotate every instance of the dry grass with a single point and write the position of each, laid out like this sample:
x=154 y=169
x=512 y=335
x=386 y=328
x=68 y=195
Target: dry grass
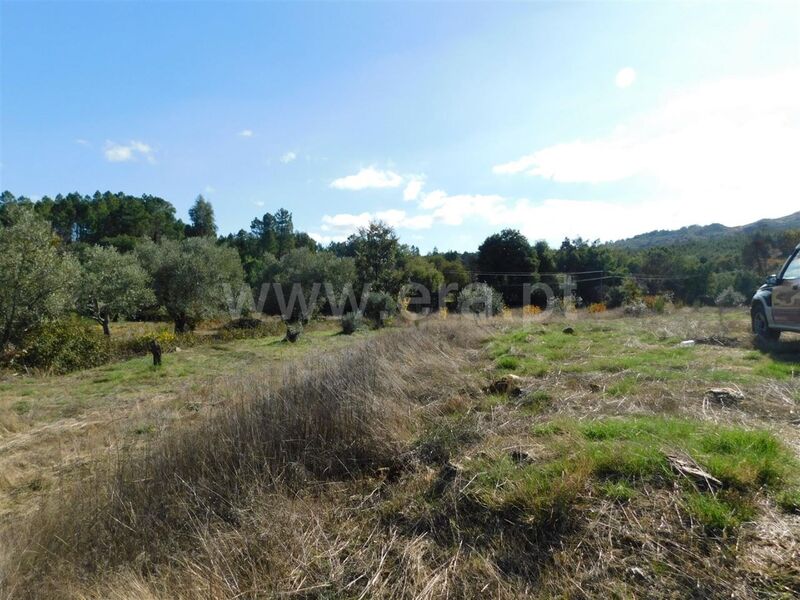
x=336 y=419
x=384 y=471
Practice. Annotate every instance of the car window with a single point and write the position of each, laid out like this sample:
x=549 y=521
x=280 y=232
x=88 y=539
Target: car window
x=793 y=270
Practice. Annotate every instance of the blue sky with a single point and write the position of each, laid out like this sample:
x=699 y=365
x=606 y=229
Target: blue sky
x=449 y=120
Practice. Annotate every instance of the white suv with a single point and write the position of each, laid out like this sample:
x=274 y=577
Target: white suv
x=776 y=305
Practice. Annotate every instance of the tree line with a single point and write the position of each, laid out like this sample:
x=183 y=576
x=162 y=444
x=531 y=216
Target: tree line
x=112 y=255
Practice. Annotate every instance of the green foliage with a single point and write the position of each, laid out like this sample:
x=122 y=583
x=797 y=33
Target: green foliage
x=453 y=270
x=730 y=297
x=376 y=250
x=140 y=345
x=112 y=285
x=352 y=322
x=190 y=278
x=507 y=252
x=37 y=280
x=202 y=219
x=107 y=218
x=380 y=308
x=65 y=345
x=244 y=323
x=480 y=299
x=422 y=272
x=316 y=274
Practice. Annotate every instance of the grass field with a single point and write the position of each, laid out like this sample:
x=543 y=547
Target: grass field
x=51 y=425
x=582 y=457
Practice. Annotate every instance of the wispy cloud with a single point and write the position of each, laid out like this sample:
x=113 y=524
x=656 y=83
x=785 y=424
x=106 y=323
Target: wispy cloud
x=82 y=142
x=288 y=157
x=368 y=178
x=717 y=149
x=132 y=151
x=346 y=223
x=413 y=189
x=625 y=77
x=246 y=133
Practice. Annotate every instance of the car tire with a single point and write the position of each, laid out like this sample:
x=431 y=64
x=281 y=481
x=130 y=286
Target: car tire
x=761 y=326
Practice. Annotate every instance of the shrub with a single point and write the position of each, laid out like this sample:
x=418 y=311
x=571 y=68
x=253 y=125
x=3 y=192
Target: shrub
x=352 y=322
x=140 y=345
x=65 y=345
x=379 y=308
x=597 y=307
x=658 y=303
x=635 y=309
x=730 y=298
x=532 y=310
x=480 y=299
x=244 y=323
x=615 y=297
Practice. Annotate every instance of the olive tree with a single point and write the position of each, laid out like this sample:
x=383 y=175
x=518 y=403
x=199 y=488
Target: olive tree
x=37 y=280
x=112 y=285
x=189 y=277
x=480 y=299
x=304 y=281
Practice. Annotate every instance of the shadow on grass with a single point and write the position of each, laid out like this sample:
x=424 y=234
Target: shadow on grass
x=784 y=350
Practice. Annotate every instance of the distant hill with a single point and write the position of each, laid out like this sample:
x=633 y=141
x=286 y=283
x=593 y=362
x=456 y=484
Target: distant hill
x=705 y=233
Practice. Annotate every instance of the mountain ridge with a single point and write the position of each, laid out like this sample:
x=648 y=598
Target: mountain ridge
x=704 y=233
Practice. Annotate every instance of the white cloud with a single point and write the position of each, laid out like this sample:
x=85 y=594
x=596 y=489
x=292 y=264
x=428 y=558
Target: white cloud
x=288 y=157
x=413 y=189
x=259 y=203
x=368 y=178
x=128 y=152
x=721 y=152
x=82 y=142
x=625 y=77
x=209 y=189
x=454 y=210
x=326 y=239
x=344 y=224
x=246 y=133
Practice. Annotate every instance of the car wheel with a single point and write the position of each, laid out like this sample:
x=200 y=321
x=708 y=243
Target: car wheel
x=761 y=326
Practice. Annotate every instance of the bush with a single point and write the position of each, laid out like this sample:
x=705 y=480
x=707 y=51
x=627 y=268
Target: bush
x=244 y=323
x=729 y=297
x=635 y=309
x=140 y=345
x=352 y=322
x=532 y=310
x=480 y=299
x=65 y=345
x=379 y=308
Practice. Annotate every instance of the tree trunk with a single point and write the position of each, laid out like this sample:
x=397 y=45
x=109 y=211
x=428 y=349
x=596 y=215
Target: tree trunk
x=181 y=324
x=104 y=323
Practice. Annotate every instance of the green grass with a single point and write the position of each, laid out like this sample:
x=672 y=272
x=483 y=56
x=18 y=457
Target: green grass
x=715 y=513
x=789 y=500
x=508 y=363
x=44 y=398
x=619 y=491
x=636 y=348
x=615 y=457
x=536 y=402
x=623 y=387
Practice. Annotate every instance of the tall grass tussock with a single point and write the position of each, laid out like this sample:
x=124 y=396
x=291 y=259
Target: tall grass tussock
x=317 y=423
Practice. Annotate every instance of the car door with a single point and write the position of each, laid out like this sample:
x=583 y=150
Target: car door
x=786 y=295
